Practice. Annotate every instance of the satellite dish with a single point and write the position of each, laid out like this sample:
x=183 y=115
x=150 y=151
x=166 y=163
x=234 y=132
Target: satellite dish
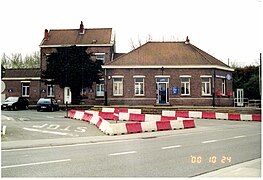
x=2 y=86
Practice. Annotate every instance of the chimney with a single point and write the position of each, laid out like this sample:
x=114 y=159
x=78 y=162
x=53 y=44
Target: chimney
x=81 y=28
x=187 y=41
x=46 y=35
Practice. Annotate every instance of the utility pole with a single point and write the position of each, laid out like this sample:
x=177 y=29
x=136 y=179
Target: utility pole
x=260 y=75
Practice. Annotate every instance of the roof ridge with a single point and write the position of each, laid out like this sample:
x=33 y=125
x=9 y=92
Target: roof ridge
x=127 y=53
x=198 y=50
x=78 y=29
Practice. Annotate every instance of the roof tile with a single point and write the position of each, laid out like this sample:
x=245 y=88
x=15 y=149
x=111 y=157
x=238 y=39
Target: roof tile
x=166 y=53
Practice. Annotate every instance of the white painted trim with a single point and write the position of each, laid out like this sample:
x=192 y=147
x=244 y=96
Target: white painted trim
x=162 y=76
x=138 y=76
x=185 y=76
x=99 y=53
x=68 y=45
x=23 y=78
x=117 y=76
x=25 y=81
x=167 y=67
x=205 y=76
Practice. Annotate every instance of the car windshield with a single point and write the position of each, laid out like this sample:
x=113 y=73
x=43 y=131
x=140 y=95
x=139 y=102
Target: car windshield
x=12 y=99
x=44 y=101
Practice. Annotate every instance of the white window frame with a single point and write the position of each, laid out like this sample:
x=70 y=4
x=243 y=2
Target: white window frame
x=223 y=87
x=52 y=94
x=99 y=87
x=184 y=85
x=100 y=58
x=25 y=89
x=117 y=81
x=139 y=86
x=206 y=85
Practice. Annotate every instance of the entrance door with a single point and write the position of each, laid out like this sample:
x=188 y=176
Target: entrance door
x=67 y=95
x=162 y=93
x=240 y=97
x=162 y=85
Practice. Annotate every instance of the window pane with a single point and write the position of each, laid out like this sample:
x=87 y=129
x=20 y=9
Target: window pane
x=117 y=86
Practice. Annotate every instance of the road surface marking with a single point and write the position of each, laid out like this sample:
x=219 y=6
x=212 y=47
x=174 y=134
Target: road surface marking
x=49 y=132
x=7 y=118
x=36 y=163
x=210 y=141
x=170 y=147
x=122 y=153
x=238 y=137
x=216 y=140
x=23 y=119
x=50 y=117
x=67 y=145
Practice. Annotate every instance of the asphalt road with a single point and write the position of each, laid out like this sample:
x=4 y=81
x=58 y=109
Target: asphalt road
x=30 y=125
x=210 y=146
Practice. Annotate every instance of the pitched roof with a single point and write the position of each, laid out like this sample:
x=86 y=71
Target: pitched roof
x=73 y=37
x=22 y=73
x=166 y=54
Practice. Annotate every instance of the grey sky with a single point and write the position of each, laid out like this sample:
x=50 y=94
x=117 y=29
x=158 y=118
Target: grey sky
x=224 y=28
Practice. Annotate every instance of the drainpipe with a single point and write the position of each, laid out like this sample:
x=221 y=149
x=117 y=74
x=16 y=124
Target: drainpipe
x=214 y=78
x=105 y=88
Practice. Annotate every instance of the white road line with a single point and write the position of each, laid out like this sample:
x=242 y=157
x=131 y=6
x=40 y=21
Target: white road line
x=238 y=137
x=48 y=132
x=7 y=118
x=36 y=163
x=216 y=140
x=50 y=117
x=122 y=153
x=210 y=141
x=68 y=145
x=170 y=147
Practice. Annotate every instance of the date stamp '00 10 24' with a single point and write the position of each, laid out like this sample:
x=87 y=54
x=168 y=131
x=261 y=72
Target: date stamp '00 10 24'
x=210 y=159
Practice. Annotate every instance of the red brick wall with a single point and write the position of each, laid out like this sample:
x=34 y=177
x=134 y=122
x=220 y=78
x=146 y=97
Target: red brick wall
x=16 y=87
x=98 y=49
x=195 y=97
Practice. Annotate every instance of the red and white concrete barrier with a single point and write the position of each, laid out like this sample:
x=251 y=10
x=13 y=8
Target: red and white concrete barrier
x=152 y=123
x=213 y=115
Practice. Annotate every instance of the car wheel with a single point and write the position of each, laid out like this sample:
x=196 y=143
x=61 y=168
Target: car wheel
x=14 y=107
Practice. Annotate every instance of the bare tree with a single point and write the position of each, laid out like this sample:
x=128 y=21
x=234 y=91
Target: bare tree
x=17 y=61
x=139 y=42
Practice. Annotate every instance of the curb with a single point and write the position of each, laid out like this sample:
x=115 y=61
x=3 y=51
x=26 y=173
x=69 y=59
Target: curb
x=246 y=169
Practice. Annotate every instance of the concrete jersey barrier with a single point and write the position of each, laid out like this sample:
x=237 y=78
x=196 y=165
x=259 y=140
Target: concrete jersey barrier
x=213 y=115
x=156 y=124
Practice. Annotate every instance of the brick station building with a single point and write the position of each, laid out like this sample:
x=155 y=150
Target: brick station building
x=168 y=73
x=157 y=73
x=28 y=82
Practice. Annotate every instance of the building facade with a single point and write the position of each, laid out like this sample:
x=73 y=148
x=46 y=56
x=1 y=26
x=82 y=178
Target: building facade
x=168 y=73
x=157 y=73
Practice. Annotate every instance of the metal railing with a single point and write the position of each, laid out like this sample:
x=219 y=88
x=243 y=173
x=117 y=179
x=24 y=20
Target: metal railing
x=245 y=102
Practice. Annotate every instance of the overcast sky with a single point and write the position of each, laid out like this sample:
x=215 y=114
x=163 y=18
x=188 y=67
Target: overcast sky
x=223 y=28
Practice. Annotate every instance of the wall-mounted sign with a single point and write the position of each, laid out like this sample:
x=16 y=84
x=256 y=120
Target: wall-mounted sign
x=10 y=90
x=228 y=77
x=175 y=90
x=220 y=76
x=43 y=90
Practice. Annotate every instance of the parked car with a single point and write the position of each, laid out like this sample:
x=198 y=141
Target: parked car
x=15 y=103
x=47 y=104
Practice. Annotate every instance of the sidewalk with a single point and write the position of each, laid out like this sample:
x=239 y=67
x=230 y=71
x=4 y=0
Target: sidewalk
x=247 y=169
